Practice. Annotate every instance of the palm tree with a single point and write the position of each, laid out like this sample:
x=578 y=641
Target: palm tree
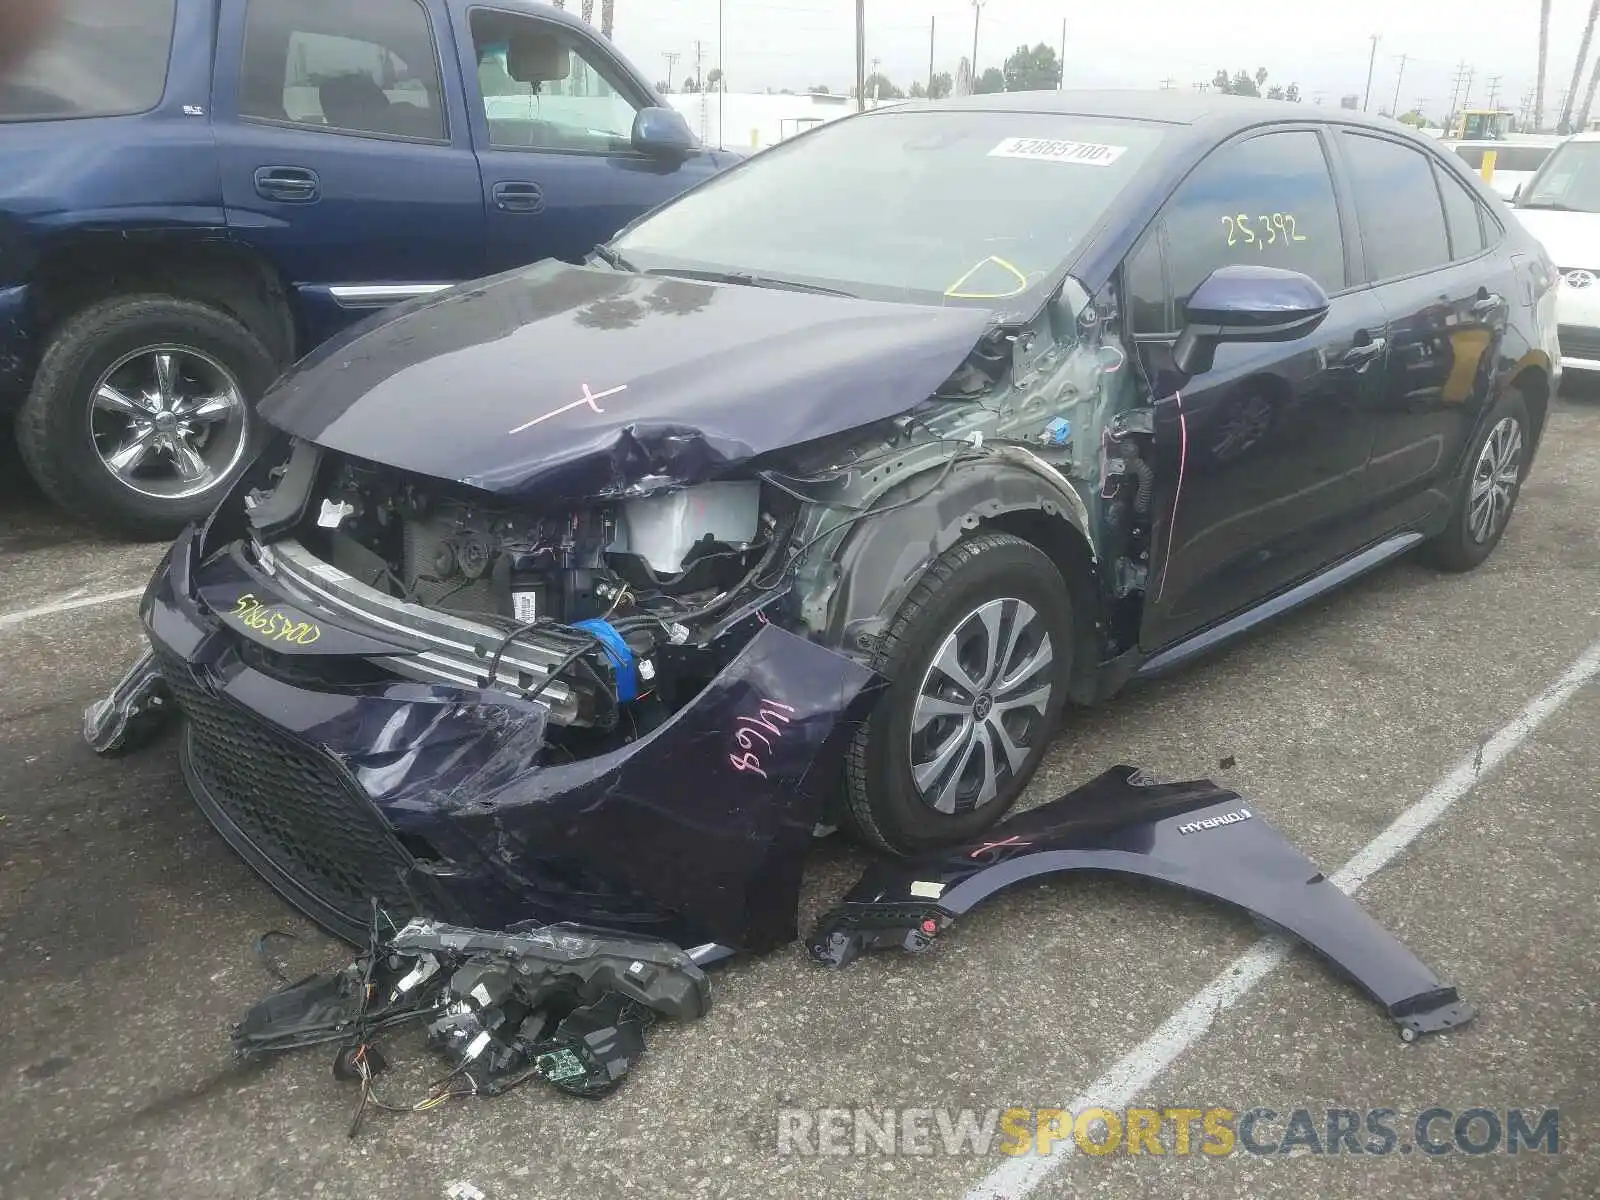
x=1577 y=67
x=1544 y=59
x=1588 y=100
x=607 y=11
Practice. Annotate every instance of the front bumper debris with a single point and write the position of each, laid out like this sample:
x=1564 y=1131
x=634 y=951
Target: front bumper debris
x=562 y=1003
x=1196 y=835
x=441 y=799
x=132 y=712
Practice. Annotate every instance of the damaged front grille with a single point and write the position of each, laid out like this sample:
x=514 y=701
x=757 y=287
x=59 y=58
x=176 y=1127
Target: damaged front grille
x=289 y=810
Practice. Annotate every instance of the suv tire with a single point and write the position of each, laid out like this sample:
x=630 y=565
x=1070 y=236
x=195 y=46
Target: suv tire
x=98 y=399
x=945 y=754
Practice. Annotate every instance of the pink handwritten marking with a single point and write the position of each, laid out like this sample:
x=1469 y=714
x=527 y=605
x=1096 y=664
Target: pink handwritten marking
x=588 y=398
x=988 y=846
x=750 y=729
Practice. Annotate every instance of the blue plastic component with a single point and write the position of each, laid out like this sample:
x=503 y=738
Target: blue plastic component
x=621 y=657
x=1058 y=432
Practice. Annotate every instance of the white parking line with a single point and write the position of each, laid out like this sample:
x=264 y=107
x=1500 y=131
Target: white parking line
x=1121 y=1085
x=7 y=620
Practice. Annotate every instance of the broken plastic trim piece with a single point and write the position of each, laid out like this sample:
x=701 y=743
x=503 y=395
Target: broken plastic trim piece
x=1196 y=835
x=132 y=712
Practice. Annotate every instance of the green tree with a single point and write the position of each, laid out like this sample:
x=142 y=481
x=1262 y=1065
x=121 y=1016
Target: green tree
x=662 y=86
x=918 y=92
x=690 y=84
x=1292 y=93
x=1414 y=119
x=877 y=84
x=990 y=81
x=1034 y=70
x=940 y=86
x=1242 y=83
x=714 y=78
x=1274 y=92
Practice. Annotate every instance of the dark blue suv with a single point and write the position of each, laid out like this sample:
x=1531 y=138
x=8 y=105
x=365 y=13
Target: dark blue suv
x=193 y=193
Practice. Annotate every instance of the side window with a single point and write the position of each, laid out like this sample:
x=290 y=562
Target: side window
x=356 y=68
x=1402 y=223
x=1145 y=286
x=1267 y=200
x=1462 y=216
x=543 y=89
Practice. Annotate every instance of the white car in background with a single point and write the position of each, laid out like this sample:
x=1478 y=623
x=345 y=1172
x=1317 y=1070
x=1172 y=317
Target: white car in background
x=1515 y=162
x=1561 y=207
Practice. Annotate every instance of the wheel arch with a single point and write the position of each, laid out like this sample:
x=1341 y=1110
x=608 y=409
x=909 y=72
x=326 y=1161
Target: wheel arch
x=1533 y=384
x=90 y=267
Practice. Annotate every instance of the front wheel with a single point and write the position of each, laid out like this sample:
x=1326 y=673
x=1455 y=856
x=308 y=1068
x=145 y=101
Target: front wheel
x=140 y=413
x=978 y=658
x=1488 y=490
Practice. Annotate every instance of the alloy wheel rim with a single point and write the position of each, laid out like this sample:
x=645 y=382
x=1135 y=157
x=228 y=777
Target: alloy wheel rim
x=1494 y=480
x=168 y=422
x=980 y=709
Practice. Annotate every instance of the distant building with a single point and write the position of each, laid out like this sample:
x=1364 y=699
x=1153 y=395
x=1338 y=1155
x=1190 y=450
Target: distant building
x=1349 y=101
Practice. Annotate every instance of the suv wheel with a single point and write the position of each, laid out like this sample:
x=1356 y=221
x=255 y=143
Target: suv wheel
x=140 y=414
x=1488 y=489
x=978 y=659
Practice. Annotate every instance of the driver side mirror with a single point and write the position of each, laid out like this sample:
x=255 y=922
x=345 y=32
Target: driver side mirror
x=1246 y=304
x=662 y=133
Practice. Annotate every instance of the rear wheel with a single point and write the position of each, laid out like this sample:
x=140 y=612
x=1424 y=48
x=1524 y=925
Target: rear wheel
x=140 y=413
x=1488 y=490
x=978 y=656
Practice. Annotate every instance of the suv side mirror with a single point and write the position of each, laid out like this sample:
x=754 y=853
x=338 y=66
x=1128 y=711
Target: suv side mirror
x=1246 y=304
x=662 y=133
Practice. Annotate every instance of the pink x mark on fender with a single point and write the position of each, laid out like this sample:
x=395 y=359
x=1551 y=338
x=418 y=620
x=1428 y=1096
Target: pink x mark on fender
x=588 y=398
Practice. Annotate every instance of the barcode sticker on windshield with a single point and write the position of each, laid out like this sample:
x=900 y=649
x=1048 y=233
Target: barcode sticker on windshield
x=1086 y=154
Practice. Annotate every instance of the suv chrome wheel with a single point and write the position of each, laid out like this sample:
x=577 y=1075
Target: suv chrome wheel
x=981 y=706
x=1494 y=480
x=168 y=422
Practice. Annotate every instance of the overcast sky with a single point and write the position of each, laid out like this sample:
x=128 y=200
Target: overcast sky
x=1322 y=44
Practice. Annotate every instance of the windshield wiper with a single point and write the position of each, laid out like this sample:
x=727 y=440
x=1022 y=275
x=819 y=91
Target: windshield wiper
x=748 y=279
x=1553 y=205
x=613 y=260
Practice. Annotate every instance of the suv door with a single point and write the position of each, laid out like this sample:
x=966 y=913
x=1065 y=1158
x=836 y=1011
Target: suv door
x=345 y=158
x=1428 y=245
x=1261 y=457
x=552 y=117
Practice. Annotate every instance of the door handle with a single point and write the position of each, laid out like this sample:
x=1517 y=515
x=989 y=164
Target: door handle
x=1365 y=352
x=1487 y=304
x=517 y=197
x=290 y=185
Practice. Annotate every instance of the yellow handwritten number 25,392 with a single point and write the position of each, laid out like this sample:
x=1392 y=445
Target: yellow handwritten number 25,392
x=1274 y=228
x=272 y=624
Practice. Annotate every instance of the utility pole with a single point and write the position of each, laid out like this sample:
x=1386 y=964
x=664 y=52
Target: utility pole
x=876 y=82
x=1420 y=107
x=861 y=55
x=1061 y=80
x=700 y=86
x=722 y=81
x=1394 y=109
x=1494 y=89
x=930 y=55
x=1166 y=84
x=672 y=57
x=977 y=11
x=1466 y=95
x=1372 y=60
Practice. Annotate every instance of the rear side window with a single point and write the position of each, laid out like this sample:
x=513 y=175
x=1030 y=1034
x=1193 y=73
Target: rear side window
x=366 y=67
x=1402 y=221
x=1266 y=200
x=103 y=58
x=1462 y=216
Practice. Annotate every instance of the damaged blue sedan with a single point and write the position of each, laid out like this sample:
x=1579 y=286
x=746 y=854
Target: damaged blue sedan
x=588 y=592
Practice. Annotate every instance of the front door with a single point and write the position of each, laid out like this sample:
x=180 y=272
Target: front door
x=1261 y=458
x=345 y=160
x=552 y=117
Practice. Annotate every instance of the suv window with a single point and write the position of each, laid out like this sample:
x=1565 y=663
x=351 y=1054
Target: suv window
x=544 y=90
x=1463 y=216
x=1269 y=200
x=1402 y=221
x=360 y=68
x=103 y=58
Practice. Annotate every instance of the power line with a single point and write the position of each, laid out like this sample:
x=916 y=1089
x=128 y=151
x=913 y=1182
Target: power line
x=1394 y=109
x=672 y=57
x=1372 y=60
x=977 y=11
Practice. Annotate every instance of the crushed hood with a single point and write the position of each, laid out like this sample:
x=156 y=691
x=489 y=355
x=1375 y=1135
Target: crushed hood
x=577 y=382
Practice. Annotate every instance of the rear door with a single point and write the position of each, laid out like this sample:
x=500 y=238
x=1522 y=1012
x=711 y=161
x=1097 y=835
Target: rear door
x=552 y=116
x=1261 y=457
x=345 y=157
x=1429 y=246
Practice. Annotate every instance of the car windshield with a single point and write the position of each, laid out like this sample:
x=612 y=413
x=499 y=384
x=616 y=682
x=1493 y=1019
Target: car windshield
x=1569 y=181
x=102 y=58
x=934 y=206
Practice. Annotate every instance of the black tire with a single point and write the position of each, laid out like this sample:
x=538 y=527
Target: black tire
x=1458 y=547
x=54 y=430
x=883 y=805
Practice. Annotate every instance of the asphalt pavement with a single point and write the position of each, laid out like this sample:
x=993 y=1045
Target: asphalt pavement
x=127 y=926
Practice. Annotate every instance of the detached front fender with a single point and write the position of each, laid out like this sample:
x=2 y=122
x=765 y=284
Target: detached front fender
x=886 y=554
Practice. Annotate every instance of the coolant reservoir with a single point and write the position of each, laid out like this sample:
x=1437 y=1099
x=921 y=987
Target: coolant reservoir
x=661 y=528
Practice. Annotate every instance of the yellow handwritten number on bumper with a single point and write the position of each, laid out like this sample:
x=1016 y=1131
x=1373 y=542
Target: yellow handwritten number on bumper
x=272 y=624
